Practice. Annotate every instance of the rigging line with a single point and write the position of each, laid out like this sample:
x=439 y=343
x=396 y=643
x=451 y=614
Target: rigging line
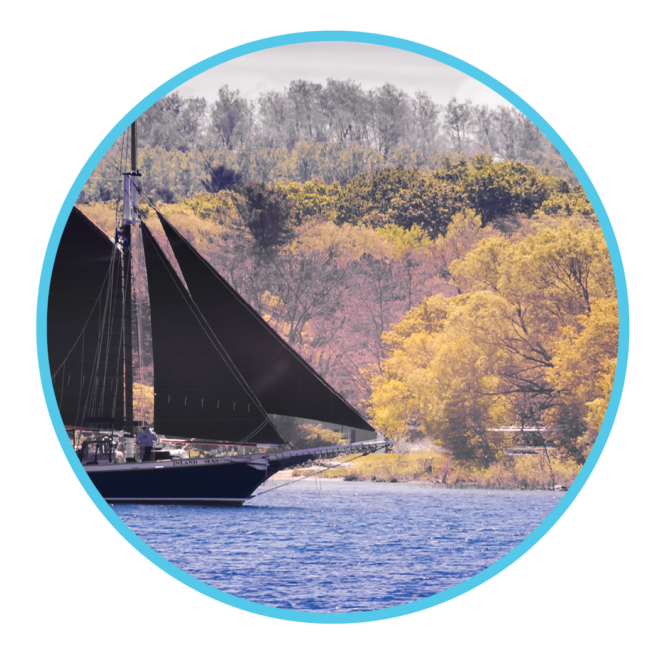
x=119 y=365
x=94 y=399
x=106 y=322
x=82 y=375
x=62 y=387
x=121 y=151
x=87 y=321
x=366 y=382
x=211 y=336
x=338 y=355
x=112 y=162
x=215 y=342
x=295 y=295
x=314 y=474
x=102 y=334
x=110 y=311
x=138 y=305
x=126 y=332
x=251 y=435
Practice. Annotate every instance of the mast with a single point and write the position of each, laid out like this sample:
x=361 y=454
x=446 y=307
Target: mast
x=130 y=218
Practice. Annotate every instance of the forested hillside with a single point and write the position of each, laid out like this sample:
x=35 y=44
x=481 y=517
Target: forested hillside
x=444 y=294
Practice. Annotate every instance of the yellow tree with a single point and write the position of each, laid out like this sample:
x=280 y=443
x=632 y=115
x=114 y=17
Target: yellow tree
x=584 y=365
x=497 y=355
x=439 y=380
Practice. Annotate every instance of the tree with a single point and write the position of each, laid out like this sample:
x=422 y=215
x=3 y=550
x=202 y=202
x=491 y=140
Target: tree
x=276 y=127
x=265 y=212
x=307 y=117
x=412 y=266
x=463 y=232
x=501 y=190
x=457 y=121
x=584 y=365
x=345 y=108
x=390 y=119
x=232 y=120
x=532 y=342
x=404 y=197
x=426 y=123
x=174 y=123
x=312 y=199
x=222 y=178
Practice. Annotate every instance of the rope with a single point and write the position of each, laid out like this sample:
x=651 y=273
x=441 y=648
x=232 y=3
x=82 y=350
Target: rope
x=86 y=322
x=315 y=474
x=94 y=400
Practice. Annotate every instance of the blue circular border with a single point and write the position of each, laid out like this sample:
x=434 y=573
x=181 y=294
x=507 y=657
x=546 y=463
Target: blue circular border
x=309 y=37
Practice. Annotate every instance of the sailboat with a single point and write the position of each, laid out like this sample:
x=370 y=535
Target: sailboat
x=220 y=371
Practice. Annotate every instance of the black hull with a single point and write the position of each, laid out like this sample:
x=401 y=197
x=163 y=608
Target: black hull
x=210 y=481
x=189 y=482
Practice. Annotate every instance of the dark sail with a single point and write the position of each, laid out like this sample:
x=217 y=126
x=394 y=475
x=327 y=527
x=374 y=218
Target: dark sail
x=281 y=379
x=198 y=391
x=84 y=326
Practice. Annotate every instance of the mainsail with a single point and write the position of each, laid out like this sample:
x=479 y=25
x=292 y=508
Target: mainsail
x=279 y=377
x=85 y=340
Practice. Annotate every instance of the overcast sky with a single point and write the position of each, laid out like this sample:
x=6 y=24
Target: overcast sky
x=367 y=64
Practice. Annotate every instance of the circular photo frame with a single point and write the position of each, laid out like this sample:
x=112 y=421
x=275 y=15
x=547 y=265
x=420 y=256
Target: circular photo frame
x=415 y=601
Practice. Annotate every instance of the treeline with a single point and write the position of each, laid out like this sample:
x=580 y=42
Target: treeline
x=430 y=199
x=403 y=197
x=383 y=119
x=310 y=131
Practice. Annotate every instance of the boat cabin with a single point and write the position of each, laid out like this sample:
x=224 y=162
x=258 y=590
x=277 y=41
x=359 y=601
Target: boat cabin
x=99 y=451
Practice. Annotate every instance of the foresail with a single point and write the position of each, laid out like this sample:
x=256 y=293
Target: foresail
x=84 y=326
x=281 y=379
x=198 y=391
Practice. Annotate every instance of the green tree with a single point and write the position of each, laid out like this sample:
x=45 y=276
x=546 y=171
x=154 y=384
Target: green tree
x=265 y=212
x=404 y=197
x=500 y=190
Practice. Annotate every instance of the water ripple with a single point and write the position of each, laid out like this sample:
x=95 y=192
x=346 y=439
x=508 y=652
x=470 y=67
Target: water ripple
x=346 y=548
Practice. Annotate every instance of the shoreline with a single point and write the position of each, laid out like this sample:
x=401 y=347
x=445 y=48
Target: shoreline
x=287 y=475
x=549 y=472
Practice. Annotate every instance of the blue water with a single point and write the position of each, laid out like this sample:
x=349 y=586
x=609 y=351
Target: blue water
x=342 y=546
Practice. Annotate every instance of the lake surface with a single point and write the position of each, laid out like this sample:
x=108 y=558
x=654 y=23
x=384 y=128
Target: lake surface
x=336 y=546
